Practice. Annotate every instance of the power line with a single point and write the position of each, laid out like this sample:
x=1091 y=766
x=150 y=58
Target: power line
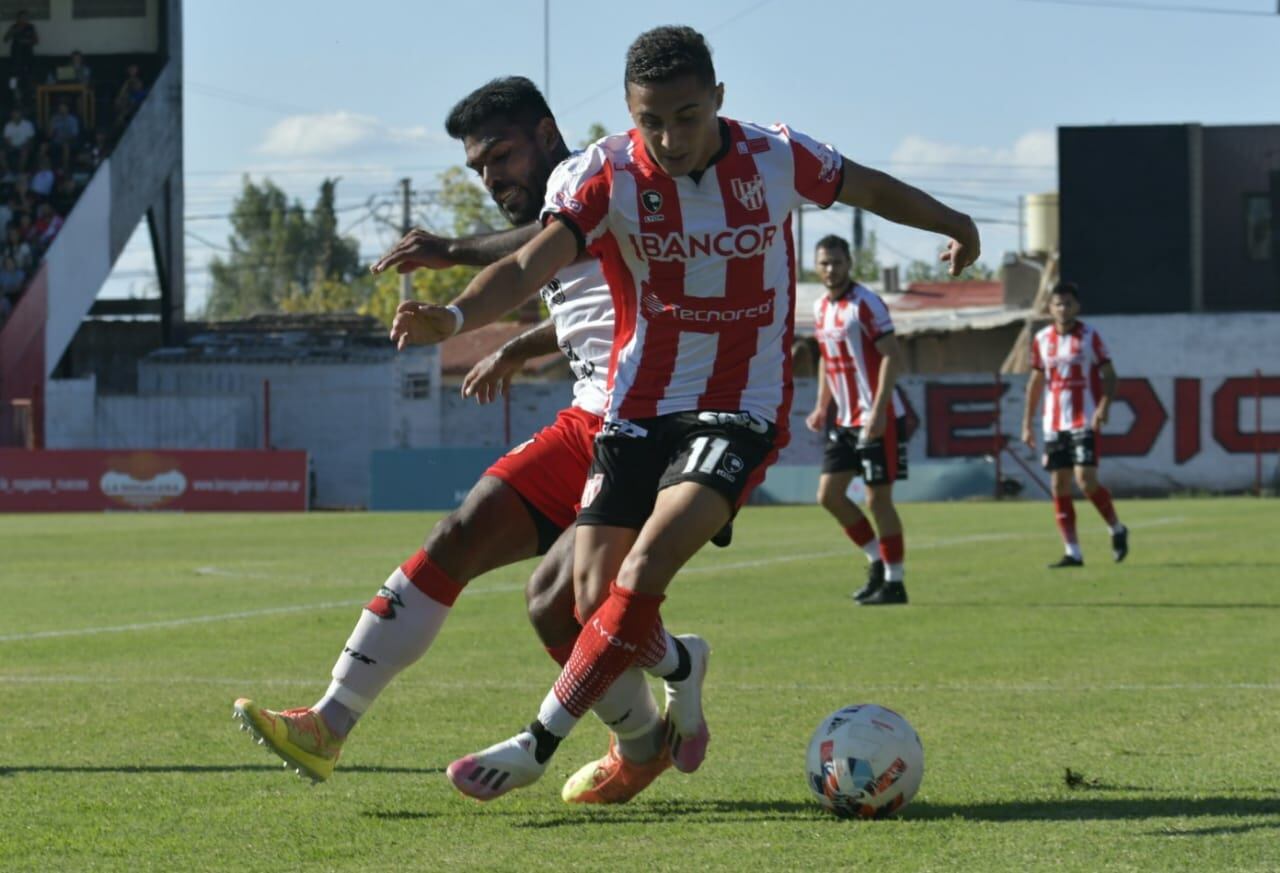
x=1156 y=7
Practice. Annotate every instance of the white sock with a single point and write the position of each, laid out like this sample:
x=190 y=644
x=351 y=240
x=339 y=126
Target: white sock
x=379 y=648
x=628 y=707
x=630 y=711
x=1073 y=551
x=554 y=717
x=893 y=573
x=873 y=550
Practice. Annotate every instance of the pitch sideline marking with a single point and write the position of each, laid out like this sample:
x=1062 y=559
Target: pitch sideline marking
x=495 y=589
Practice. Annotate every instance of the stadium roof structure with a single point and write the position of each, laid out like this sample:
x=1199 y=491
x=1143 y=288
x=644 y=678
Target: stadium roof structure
x=929 y=307
x=282 y=338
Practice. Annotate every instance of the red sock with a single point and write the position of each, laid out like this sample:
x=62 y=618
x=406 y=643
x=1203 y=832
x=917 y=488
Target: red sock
x=608 y=645
x=892 y=549
x=1065 y=511
x=654 y=648
x=428 y=578
x=560 y=654
x=1102 y=500
x=861 y=533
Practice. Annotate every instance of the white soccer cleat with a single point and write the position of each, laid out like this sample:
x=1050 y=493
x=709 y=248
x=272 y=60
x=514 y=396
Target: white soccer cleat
x=687 y=733
x=498 y=769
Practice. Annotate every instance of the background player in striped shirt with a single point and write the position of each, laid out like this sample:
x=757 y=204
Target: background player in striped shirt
x=1072 y=359
x=860 y=364
x=689 y=214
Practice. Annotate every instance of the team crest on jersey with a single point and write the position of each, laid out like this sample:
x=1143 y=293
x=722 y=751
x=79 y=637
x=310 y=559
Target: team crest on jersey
x=651 y=199
x=591 y=490
x=553 y=293
x=750 y=192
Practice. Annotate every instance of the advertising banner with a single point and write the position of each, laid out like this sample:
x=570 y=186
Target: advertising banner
x=181 y=481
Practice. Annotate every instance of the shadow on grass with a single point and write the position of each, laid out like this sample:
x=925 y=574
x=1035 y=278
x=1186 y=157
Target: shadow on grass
x=1222 y=830
x=1068 y=809
x=148 y=769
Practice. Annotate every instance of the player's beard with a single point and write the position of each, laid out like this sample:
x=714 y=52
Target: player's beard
x=530 y=204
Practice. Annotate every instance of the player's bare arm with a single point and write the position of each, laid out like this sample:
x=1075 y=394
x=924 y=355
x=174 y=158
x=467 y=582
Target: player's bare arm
x=422 y=249
x=887 y=345
x=491 y=378
x=1035 y=388
x=1100 y=415
x=904 y=204
x=498 y=289
x=816 y=420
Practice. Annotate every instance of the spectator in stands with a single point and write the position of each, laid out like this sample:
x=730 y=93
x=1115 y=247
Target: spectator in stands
x=64 y=196
x=64 y=132
x=11 y=278
x=79 y=71
x=7 y=211
x=130 y=96
x=47 y=225
x=42 y=180
x=17 y=248
x=25 y=196
x=22 y=39
x=5 y=308
x=19 y=136
x=27 y=230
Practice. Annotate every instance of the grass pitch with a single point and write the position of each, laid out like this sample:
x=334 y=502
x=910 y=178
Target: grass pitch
x=125 y=639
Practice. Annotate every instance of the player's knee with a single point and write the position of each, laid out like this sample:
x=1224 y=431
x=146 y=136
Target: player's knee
x=550 y=610
x=1087 y=480
x=829 y=496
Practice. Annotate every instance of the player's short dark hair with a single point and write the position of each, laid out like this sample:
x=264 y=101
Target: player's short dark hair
x=513 y=98
x=1065 y=288
x=831 y=242
x=668 y=53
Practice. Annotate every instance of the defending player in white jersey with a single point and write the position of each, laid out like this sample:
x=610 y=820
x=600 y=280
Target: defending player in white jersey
x=860 y=363
x=1071 y=358
x=689 y=214
x=525 y=502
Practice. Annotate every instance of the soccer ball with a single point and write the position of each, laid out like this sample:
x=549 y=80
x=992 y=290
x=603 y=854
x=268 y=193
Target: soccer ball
x=865 y=761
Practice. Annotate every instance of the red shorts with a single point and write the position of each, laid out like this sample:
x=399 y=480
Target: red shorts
x=550 y=469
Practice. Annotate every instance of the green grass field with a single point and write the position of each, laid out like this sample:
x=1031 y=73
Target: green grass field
x=125 y=639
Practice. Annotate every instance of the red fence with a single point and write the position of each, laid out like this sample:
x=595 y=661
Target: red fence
x=192 y=481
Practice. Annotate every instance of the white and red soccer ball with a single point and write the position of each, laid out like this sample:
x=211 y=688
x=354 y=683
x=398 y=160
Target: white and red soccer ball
x=865 y=761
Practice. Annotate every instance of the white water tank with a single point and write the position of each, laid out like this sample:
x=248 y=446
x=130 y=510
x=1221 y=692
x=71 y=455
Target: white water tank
x=1042 y=222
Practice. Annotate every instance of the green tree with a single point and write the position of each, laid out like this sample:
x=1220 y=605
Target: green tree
x=279 y=256
x=595 y=132
x=470 y=211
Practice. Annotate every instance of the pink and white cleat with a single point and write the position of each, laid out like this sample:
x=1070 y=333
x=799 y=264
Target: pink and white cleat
x=687 y=733
x=498 y=769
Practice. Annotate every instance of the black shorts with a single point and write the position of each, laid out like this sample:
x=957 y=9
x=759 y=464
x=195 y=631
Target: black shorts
x=636 y=459
x=878 y=462
x=1070 y=448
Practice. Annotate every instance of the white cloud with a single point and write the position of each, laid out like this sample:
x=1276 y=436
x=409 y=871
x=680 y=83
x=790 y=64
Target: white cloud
x=338 y=133
x=1030 y=153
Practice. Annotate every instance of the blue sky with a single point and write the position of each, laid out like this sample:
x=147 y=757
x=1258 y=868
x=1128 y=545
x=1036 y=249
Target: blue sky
x=962 y=99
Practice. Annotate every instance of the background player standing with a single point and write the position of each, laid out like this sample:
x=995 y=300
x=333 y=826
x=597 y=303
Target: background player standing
x=860 y=364
x=1071 y=357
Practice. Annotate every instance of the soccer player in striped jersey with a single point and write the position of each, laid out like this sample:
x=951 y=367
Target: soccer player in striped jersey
x=860 y=363
x=1071 y=358
x=689 y=214
x=525 y=503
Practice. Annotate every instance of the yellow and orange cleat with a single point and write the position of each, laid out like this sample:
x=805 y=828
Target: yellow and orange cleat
x=299 y=736
x=613 y=779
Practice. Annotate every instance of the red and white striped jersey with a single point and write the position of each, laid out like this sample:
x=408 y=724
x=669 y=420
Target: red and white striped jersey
x=582 y=312
x=702 y=272
x=1072 y=364
x=847 y=331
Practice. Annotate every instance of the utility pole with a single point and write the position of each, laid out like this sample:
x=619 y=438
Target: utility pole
x=406 y=196
x=857 y=230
